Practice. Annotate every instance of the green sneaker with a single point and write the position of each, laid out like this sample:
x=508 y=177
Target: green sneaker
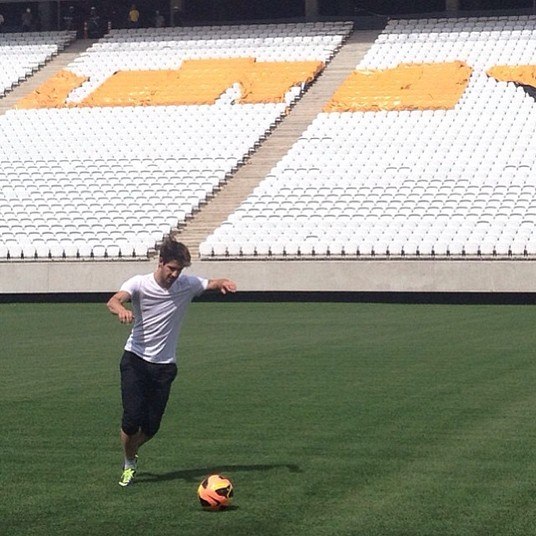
x=127 y=477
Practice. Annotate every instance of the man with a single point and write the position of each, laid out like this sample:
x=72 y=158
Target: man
x=133 y=17
x=68 y=19
x=159 y=21
x=94 y=30
x=148 y=367
x=26 y=20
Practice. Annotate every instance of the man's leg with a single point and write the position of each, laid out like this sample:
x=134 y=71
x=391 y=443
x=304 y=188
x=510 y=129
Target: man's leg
x=157 y=398
x=145 y=394
x=134 y=395
x=132 y=443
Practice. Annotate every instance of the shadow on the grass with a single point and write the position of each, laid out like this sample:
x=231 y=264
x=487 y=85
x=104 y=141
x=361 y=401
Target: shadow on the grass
x=194 y=475
x=230 y=508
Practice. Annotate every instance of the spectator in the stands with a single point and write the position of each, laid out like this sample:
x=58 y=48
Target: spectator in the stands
x=69 y=19
x=159 y=21
x=177 y=16
x=94 y=29
x=26 y=20
x=2 y=22
x=133 y=17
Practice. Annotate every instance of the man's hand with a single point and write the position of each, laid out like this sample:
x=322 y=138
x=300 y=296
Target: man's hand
x=223 y=285
x=116 y=307
x=125 y=316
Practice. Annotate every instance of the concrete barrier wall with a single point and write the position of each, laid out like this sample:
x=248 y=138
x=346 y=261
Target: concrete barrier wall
x=284 y=276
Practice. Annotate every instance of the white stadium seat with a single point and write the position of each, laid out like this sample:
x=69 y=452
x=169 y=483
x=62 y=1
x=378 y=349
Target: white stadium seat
x=69 y=167
x=445 y=182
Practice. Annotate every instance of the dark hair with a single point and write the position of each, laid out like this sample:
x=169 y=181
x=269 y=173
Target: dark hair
x=171 y=250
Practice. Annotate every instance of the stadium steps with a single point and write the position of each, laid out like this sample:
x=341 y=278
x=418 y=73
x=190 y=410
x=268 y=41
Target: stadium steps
x=249 y=175
x=57 y=63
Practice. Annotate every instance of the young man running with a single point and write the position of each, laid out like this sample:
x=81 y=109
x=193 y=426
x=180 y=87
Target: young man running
x=148 y=366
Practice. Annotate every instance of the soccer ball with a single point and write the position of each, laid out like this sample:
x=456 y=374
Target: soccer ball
x=215 y=492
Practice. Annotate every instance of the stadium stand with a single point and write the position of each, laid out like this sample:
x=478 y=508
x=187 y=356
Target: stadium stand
x=83 y=176
x=404 y=171
x=22 y=54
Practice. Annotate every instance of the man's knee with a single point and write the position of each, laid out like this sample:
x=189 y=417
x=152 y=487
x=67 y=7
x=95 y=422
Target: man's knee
x=150 y=429
x=129 y=428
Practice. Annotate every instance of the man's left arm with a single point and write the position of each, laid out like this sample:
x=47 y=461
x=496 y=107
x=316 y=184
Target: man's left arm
x=223 y=285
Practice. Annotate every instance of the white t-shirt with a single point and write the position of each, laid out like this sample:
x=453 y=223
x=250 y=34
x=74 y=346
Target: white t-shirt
x=158 y=314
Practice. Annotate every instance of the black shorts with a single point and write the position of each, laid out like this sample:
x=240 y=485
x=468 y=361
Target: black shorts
x=145 y=391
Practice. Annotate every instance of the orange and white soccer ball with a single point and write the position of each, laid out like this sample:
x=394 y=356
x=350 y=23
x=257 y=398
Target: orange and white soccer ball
x=215 y=492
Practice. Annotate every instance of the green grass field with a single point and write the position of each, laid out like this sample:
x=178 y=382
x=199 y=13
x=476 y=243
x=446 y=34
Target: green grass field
x=331 y=419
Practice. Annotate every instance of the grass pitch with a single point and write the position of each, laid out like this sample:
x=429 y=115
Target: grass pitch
x=331 y=419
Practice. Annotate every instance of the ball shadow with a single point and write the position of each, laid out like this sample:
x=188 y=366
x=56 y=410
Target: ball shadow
x=195 y=475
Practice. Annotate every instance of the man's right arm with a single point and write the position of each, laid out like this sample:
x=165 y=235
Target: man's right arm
x=116 y=307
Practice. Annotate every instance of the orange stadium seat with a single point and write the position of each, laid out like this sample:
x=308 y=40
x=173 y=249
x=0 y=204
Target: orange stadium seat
x=410 y=86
